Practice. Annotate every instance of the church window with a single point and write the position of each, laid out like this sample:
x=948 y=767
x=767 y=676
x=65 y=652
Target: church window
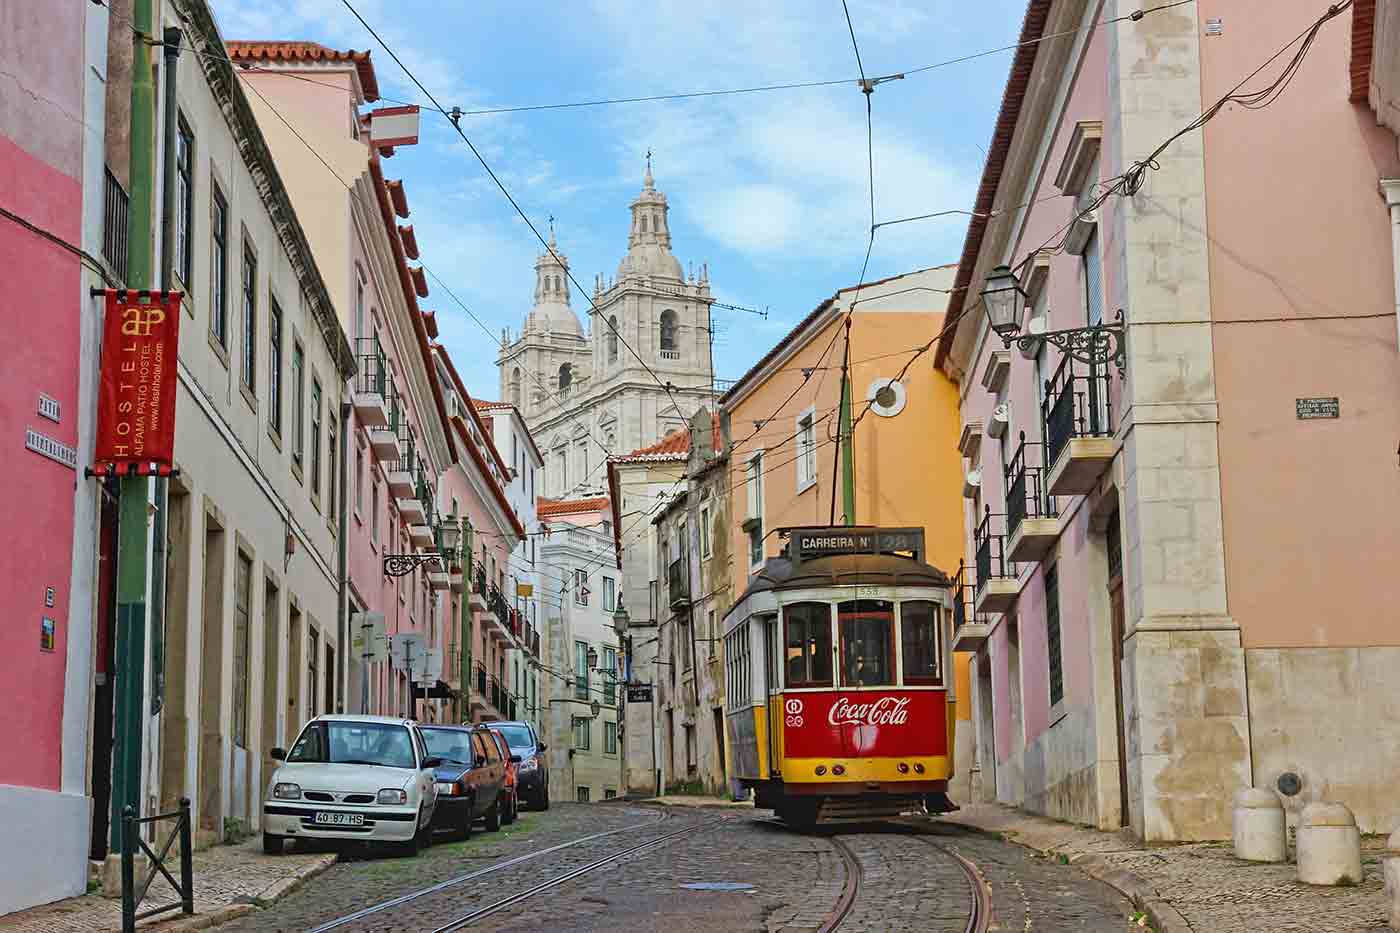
x=566 y=376
x=515 y=387
x=644 y=223
x=612 y=339
x=668 y=330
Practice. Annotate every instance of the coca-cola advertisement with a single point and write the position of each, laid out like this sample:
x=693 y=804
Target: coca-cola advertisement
x=865 y=723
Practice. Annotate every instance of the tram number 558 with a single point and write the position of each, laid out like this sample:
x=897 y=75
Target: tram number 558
x=793 y=708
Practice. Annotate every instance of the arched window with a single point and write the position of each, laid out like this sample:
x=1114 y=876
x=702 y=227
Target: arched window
x=668 y=330
x=566 y=376
x=515 y=387
x=644 y=223
x=612 y=339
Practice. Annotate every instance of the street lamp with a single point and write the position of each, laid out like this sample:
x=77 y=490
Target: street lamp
x=451 y=536
x=620 y=619
x=1005 y=300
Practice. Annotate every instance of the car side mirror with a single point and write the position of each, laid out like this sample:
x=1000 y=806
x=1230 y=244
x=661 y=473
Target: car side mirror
x=279 y=754
x=543 y=747
x=432 y=761
x=515 y=759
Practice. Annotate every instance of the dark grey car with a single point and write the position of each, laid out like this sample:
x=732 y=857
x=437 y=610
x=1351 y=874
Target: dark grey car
x=531 y=772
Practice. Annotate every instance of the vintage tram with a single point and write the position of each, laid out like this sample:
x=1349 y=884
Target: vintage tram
x=839 y=679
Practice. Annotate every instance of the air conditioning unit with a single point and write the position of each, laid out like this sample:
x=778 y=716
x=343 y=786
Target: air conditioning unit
x=972 y=483
x=1000 y=420
x=1034 y=328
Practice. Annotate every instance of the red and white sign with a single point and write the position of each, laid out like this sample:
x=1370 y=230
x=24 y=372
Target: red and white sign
x=136 y=397
x=865 y=724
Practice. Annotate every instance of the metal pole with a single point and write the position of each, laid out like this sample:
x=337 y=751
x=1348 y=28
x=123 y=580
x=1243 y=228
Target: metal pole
x=134 y=491
x=126 y=827
x=344 y=534
x=655 y=736
x=186 y=858
x=365 y=654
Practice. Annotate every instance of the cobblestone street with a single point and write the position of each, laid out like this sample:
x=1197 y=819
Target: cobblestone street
x=707 y=870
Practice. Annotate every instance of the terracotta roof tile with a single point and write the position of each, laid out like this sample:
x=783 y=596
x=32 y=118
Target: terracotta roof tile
x=410 y=241
x=674 y=446
x=420 y=280
x=546 y=508
x=247 y=51
x=1363 y=34
x=484 y=405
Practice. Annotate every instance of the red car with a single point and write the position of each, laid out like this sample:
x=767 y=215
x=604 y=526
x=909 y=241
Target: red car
x=510 y=798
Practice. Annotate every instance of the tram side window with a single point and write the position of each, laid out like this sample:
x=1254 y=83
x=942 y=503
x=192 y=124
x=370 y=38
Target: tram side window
x=867 y=642
x=918 y=620
x=808 y=654
x=739 y=689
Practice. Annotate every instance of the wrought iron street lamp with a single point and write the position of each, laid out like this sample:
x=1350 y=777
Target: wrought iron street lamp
x=620 y=619
x=449 y=533
x=1005 y=301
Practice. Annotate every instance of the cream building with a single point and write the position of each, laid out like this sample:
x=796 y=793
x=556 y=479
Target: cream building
x=586 y=393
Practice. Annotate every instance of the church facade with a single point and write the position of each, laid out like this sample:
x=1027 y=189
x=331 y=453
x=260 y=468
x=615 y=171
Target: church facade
x=587 y=393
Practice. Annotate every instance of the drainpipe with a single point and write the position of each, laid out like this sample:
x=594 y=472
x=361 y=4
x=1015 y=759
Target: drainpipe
x=344 y=522
x=167 y=276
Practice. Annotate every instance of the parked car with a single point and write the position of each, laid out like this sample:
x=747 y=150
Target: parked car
x=470 y=778
x=362 y=778
x=510 y=802
x=532 y=773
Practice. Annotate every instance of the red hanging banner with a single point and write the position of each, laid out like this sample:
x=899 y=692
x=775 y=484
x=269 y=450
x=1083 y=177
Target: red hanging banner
x=136 y=398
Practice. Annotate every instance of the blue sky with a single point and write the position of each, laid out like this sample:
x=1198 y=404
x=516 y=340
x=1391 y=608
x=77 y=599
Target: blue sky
x=769 y=189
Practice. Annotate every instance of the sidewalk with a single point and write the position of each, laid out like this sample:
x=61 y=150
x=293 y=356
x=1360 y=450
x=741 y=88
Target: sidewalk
x=695 y=800
x=1197 y=887
x=228 y=882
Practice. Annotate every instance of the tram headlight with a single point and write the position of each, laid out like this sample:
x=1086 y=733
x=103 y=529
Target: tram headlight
x=918 y=768
x=903 y=768
x=821 y=769
x=838 y=769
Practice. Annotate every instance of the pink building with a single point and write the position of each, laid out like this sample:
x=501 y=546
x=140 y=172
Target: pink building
x=1179 y=571
x=47 y=160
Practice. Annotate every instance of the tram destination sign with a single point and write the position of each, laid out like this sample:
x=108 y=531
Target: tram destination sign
x=811 y=543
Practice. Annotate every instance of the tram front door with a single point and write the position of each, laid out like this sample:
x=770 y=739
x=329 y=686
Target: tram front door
x=771 y=687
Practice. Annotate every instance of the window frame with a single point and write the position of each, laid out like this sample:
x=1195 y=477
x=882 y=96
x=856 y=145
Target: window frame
x=921 y=680
x=892 y=658
x=275 y=341
x=706 y=530
x=753 y=525
x=1054 y=634
x=668 y=338
x=315 y=445
x=808 y=683
x=242 y=646
x=218 y=265
x=587 y=733
x=184 y=200
x=248 y=293
x=806 y=460
x=609 y=737
x=581 y=673
x=609 y=594
x=298 y=402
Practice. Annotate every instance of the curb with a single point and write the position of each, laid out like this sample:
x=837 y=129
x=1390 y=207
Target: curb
x=204 y=921
x=265 y=898
x=1162 y=915
x=280 y=889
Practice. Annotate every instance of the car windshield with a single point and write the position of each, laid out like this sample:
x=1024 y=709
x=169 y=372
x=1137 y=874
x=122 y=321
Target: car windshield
x=453 y=746
x=517 y=737
x=354 y=743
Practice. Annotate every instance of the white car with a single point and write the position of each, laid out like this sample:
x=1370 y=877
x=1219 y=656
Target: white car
x=364 y=778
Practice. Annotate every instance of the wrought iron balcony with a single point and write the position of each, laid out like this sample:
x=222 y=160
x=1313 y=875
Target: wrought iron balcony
x=384 y=439
x=678 y=583
x=996 y=587
x=970 y=630
x=1031 y=522
x=1078 y=417
x=370 y=401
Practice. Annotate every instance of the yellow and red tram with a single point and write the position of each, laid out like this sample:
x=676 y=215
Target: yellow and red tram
x=839 y=677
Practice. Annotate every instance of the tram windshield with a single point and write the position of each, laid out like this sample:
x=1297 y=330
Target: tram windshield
x=808 y=653
x=918 y=621
x=867 y=642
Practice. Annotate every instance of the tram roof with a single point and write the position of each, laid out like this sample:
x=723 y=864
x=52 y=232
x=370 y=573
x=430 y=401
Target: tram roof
x=780 y=573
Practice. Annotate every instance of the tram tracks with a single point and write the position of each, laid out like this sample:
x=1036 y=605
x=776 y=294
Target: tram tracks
x=979 y=909
x=468 y=918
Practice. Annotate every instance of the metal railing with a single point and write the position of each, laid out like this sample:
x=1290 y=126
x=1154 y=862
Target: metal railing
x=678 y=582
x=480 y=680
x=371 y=375
x=991 y=551
x=391 y=403
x=1025 y=489
x=479 y=583
x=132 y=895
x=497 y=604
x=1075 y=406
x=115 y=209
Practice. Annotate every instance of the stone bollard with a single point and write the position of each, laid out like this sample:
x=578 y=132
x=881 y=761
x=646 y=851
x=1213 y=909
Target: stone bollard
x=1261 y=833
x=1392 y=879
x=1329 y=845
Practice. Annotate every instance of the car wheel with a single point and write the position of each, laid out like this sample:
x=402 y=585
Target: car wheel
x=493 y=817
x=272 y=845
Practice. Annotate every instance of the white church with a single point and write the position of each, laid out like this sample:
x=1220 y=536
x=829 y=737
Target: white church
x=570 y=382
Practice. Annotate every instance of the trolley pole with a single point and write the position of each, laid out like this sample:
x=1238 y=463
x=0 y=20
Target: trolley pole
x=848 y=462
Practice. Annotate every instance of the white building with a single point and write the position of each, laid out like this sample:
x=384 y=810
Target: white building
x=580 y=679
x=584 y=393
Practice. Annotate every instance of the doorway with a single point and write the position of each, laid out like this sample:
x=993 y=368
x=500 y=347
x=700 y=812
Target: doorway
x=103 y=695
x=271 y=673
x=175 y=725
x=986 y=731
x=1114 y=545
x=211 y=692
x=294 y=677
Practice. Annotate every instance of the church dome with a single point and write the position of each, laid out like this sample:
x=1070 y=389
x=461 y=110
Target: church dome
x=649 y=241
x=552 y=312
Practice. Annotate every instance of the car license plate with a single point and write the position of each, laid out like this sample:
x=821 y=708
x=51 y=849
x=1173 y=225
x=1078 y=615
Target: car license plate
x=339 y=819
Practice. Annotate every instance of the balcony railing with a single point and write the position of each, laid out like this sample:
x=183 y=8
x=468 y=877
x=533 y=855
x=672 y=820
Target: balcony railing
x=962 y=596
x=678 y=582
x=115 y=206
x=1025 y=488
x=1075 y=406
x=371 y=376
x=991 y=551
